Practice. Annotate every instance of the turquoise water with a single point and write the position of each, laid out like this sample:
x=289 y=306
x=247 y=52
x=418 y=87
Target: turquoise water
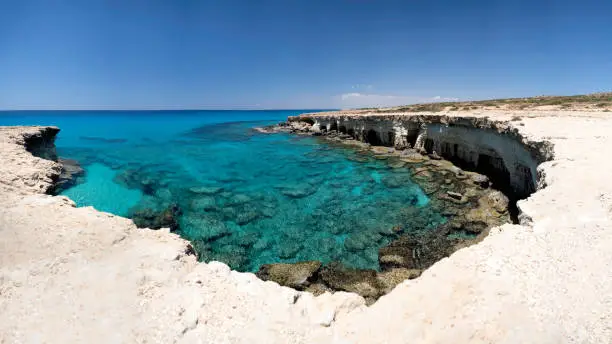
x=245 y=198
x=102 y=192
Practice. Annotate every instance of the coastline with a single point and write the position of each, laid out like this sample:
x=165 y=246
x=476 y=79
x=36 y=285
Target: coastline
x=546 y=280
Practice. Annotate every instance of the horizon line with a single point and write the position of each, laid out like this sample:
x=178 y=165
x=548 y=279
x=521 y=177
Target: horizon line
x=159 y=110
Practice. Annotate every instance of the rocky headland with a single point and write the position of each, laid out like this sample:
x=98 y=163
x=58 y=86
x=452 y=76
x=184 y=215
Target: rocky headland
x=545 y=279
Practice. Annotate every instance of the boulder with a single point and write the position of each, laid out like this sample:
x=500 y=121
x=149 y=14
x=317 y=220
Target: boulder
x=455 y=195
x=293 y=275
x=411 y=252
x=434 y=156
x=480 y=180
x=498 y=201
x=363 y=282
x=412 y=156
x=492 y=211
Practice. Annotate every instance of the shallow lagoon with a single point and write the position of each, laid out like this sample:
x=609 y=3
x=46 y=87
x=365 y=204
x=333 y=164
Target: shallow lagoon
x=245 y=198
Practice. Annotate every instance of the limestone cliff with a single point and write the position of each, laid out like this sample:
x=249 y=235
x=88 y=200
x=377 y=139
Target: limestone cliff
x=492 y=147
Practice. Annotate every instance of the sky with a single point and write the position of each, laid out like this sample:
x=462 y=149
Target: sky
x=290 y=54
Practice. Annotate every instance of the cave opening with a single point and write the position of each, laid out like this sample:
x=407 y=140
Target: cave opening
x=373 y=138
x=390 y=138
x=493 y=166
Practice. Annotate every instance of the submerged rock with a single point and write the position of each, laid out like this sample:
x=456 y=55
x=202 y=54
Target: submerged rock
x=205 y=203
x=206 y=190
x=246 y=214
x=140 y=179
x=359 y=241
x=298 y=190
x=234 y=256
x=203 y=227
x=71 y=174
x=238 y=199
x=294 y=275
x=289 y=248
x=396 y=180
x=149 y=218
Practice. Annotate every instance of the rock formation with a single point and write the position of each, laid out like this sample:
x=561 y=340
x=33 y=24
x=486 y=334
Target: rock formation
x=544 y=281
x=471 y=206
x=490 y=147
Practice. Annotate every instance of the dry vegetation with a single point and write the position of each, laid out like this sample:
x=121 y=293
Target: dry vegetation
x=592 y=102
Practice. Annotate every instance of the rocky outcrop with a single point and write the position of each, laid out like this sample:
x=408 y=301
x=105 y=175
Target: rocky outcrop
x=316 y=278
x=41 y=143
x=32 y=150
x=492 y=147
x=464 y=197
x=296 y=275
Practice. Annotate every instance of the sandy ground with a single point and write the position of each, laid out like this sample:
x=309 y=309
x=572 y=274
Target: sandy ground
x=78 y=275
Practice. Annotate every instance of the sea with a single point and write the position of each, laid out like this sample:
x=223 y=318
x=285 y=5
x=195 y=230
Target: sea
x=240 y=196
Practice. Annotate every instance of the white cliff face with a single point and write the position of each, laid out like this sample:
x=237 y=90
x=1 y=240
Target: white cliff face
x=486 y=150
x=21 y=171
x=499 y=153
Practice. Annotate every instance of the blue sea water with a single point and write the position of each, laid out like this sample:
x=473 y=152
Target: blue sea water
x=246 y=198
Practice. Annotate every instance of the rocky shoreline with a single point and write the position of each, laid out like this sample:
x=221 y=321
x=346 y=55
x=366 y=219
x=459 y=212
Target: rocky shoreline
x=466 y=198
x=543 y=281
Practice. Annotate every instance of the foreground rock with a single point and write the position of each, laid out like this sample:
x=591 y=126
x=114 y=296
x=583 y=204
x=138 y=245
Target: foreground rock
x=291 y=275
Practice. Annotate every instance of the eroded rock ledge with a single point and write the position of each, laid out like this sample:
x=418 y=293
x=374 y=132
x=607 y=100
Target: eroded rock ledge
x=492 y=147
x=33 y=149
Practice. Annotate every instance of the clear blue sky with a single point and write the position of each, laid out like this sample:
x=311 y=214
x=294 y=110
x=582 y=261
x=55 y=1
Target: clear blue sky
x=297 y=54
